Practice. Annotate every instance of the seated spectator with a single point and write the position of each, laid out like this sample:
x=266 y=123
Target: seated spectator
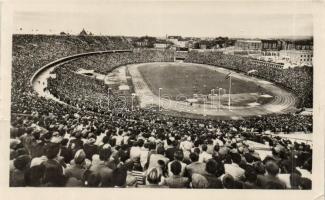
x=295 y=181
x=153 y=179
x=170 y=149
x=91 y=179
x=199 y=181
x=131 y=180
x=234 y=169
x=120 y=175
x=270 y=180
x=187 y=144
x=155 y=157
x=306 y=168
x=76 y=143
x=178 y=156
x=250 y=178
x=210 y=147
x=17 y=175
x=229 y=182
x=195 y=167
x=90 y=148
x=135 y=151
x=287 y=169
x=34 y=176
x=53 y=175
x=73 y=182
x=176 y=180
x=144 y=155
x=260 y=168
x=204 y=156
x=211 y=169
x=77 y=169
x=101 y=168
x=305 y=183
x=52 y=154
x=65 y=152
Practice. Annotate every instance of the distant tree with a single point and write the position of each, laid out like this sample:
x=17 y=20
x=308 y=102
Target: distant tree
x=83 y=32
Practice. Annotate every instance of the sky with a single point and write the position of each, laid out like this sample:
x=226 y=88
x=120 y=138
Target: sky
x=185 y=18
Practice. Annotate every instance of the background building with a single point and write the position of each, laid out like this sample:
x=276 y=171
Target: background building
x=297 y=57
x=249 y=44
x=160 y=45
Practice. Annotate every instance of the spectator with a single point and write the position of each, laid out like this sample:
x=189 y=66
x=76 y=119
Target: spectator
x=77 y=169
x=178 y=156
x=199 y=181
x=155 y=157
x=131 y=180
x=195 y=167
x=204 y=156
x=17 y=175
x=270 y=180
x=234 y=169
x=176 y=180
x=213 y=180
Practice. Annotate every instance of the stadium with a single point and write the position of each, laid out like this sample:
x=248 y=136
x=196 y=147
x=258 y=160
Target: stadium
x=96 y=111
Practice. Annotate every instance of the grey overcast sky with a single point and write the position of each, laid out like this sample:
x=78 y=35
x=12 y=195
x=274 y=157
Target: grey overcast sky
x=186 y=18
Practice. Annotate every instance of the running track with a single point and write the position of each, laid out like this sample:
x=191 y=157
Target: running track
x=283 y=102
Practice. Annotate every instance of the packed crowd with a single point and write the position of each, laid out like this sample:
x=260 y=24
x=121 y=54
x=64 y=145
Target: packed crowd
x=91 y=94
x=31 y=52
x=90 y=151
x=299 y=80
x=61 y=145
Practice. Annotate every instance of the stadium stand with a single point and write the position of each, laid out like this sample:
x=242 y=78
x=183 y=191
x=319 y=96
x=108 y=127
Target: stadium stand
x=84 y=144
